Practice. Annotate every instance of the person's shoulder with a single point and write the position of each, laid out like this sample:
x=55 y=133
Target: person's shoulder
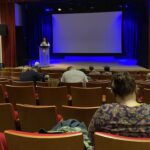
x=68 y=71
x=106 y=107
x=145 y=106
x=80 y=72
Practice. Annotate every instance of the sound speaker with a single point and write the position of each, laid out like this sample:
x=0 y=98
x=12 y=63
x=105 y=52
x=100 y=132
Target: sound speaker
x=3 y=30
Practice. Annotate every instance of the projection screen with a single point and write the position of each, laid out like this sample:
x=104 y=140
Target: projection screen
x=94 y=33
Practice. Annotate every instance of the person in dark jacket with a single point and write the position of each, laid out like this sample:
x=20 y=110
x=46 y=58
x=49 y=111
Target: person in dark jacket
x=29 y=74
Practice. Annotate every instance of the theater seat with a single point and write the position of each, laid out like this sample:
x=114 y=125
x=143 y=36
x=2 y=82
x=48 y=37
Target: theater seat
x=33 y=141
x=52 y=96
x=21 y=95
x=106 y=141
x=7 y=117
x=83 y=114
x=86 y=97
x=32 y=118
x=3 y=144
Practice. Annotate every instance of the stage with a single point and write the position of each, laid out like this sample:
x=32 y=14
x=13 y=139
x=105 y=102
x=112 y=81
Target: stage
x=116 y=64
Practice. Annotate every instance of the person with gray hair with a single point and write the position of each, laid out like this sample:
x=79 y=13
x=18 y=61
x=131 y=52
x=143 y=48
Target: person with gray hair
x=36 y=67
x=31 y=74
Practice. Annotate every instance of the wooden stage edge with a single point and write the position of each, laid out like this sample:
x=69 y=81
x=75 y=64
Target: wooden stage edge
x=98 y=66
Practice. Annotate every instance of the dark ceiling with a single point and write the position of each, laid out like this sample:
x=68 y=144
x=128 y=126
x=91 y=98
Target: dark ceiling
x=81 y=5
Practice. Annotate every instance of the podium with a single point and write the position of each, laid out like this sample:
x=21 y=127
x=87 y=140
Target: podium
x=44 y=58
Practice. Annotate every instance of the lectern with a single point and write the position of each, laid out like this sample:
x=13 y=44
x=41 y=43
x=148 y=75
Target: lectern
x=44 y=58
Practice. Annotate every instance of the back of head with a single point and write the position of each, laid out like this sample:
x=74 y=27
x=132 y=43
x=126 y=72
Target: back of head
x=69 y=68
x=83 y=70
x=36 y=64
x=36 y=67
x=123 y=85
x=91 y=68
x=106 y=68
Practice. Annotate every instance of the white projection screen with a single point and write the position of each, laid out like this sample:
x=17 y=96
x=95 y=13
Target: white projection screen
x=87 y=33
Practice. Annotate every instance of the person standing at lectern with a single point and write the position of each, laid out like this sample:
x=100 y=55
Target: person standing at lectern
x=44 y=52
x=45 y=43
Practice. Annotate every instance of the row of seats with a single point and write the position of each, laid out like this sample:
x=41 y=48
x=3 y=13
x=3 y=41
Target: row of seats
x=71 y=141
x=93 y=95
x=15 y=74
x=32 y=118
x=18 y=140
x=49 y=95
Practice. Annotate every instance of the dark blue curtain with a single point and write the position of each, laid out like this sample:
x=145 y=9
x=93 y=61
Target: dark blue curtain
x=130 y=34
x=38 y=25
x=135 y=29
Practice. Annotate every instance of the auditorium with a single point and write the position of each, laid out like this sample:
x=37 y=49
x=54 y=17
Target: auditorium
x=74 y=74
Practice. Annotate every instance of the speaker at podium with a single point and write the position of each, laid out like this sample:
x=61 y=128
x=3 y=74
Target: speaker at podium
x=44 y=50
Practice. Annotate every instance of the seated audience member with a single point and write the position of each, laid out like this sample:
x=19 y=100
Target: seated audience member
x=126 y=117
x=37 y=66
x=72 y=75
x=85 y=72
x=30 y=74
x=148 y=77
x=93 y=71
x=107 y=71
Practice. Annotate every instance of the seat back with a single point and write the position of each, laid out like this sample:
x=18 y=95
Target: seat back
x=55 y=75
x=5 y=74
x=83 y=114
x=23 y=83
x=21 y=94
x=146 y=96
x=2 y=96
x=141 y=85
x=7 y=120
x=32 y=118
x=54 y=82
x=94 y=77
x=108 y=141
x=52 y=96
x=105 y=76
x=3 y=79
x=68 y=85
x=40 y=83
x=110 y=97
x=5 y=82
x=15 y=75
x=86 y=97
x=100 y=83
x=31 y=141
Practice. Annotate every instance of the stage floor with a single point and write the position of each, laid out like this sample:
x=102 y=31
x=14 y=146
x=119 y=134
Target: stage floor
x=97 y=62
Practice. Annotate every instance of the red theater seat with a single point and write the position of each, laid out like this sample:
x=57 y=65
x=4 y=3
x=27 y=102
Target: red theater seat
x=17 y=140
x=3 y=144
x=106 y=141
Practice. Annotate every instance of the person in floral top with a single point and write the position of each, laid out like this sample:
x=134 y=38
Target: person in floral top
x=126 y=117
